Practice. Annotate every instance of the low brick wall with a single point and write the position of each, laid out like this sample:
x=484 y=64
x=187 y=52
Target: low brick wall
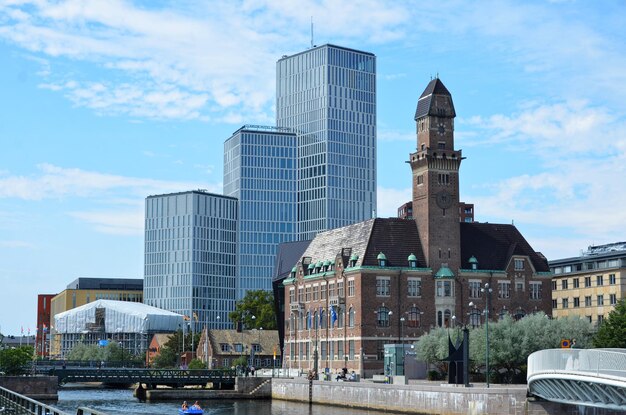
x=40 y=388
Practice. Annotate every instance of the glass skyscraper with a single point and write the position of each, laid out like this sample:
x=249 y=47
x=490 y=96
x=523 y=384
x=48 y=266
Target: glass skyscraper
x=327 y=96
x=260 y=171
x=190 y=256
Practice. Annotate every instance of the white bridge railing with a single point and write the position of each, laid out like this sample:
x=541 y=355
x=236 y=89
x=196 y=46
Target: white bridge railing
x=588 y=377
x=606 y=363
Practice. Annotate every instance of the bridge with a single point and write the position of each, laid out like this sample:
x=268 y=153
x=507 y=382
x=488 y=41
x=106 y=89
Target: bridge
x=150 y=377
x=17 y=404
x=589 y=377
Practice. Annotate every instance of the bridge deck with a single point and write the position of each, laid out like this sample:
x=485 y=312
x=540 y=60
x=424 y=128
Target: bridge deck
x=152 y=377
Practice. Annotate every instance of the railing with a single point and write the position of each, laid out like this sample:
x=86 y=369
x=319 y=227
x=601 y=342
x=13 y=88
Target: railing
x=606 y=363
x=14 y=403
x=148 y=376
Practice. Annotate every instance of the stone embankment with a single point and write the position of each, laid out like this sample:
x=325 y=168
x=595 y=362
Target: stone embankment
x=40 y=388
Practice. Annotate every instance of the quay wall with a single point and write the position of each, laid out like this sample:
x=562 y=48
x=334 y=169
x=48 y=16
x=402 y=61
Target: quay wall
x=40 y=388
x=425 y=398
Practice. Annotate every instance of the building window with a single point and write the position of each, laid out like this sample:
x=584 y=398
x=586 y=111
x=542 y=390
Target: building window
x=238 y=347
x=474 y=289
x=323 y=292
x=351 y=349
x=331 y=290
x=351 y=288
x=613 y=299
x=588 y=301
x=380 y=350
x=599 y=280
x=339 y=349
x=443 y=178
x=382 y=286
x=292 y=295
x=415 y=287
x=504 y=289
x=331 y=350
x=565 y=303
x=351 y=318
x=256 y=347
x=323 y=347
x=519 y=264
x=576 y=302
x=564 y=284
x=308 y=320
x=474 y=317
x=576 y=283
x=600 y=319
x=307 y=291
x=414 y=317
x=612 y=279
x=225 y=347
x=444 y=289
x=553 y=285
x=340 y=290
x=554 y=304
x=323 y=319
x=535 y=291
x=382 y=319
x=600 y=300
x=587 y=281
x=315 y=292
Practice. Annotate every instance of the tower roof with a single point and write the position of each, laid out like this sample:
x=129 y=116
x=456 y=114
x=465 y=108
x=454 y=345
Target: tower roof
x=425 y=104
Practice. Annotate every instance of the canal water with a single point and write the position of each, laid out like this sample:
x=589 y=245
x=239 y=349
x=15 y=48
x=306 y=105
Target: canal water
x=122 y=402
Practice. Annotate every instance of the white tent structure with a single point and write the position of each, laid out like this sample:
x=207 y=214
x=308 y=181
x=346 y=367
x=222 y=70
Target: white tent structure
x=129 y=324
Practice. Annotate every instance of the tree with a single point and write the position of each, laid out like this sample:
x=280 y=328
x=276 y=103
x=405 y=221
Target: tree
x=14 y=361
x=258 y=304
x=510 y=343
x=612 y=332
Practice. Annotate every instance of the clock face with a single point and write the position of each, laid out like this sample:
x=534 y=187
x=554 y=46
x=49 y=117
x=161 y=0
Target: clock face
x=444 y=199
x=442 y=128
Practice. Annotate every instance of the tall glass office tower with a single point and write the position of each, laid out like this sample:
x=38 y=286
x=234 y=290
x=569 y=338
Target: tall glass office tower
x=190 y=256
x=327 y=96
x=260 y=171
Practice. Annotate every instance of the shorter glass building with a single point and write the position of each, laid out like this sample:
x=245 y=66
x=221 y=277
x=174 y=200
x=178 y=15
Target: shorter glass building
x=260 y=171
x=190 y=256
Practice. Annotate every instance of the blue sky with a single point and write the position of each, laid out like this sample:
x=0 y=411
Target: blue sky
x=106 y=102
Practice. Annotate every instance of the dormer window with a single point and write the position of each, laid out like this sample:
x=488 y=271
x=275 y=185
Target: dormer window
x=293 y=272
x=412 y=261
x=311 y=268
x=473 y=262
x=353 y=260
x=382 y=260
x=318 y=267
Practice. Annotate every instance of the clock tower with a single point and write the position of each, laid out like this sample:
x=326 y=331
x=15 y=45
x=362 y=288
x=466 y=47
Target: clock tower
x=435 y=166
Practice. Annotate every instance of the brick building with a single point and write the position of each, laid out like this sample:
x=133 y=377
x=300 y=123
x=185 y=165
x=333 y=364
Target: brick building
x=384 y=281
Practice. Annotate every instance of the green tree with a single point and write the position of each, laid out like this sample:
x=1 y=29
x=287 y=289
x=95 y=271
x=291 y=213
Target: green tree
x=612 y=332
x=167 y=358
x=510 y=343
x=258 y=304
x=15 y=361
x=197 y=364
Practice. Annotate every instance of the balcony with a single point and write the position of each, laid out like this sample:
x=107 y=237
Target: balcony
x=336 y=300
x=296 y=307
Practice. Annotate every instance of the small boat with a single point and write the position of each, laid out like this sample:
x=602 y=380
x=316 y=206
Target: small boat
x=190 y=411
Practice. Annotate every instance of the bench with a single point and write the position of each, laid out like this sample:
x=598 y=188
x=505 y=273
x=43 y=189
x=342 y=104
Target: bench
x=380 y=379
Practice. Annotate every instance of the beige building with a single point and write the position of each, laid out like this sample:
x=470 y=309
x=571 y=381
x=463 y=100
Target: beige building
x=591 y=284
x=260 y=347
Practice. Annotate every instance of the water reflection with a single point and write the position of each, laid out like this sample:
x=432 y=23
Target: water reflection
x=122 y=402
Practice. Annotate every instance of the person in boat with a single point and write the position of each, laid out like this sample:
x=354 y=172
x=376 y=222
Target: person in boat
x=184 y=406
x=196 y=405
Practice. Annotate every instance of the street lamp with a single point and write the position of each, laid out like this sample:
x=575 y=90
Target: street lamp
x=487 y=290
x=401 y=329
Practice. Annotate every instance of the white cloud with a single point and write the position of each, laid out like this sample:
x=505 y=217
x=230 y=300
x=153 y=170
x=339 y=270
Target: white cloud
x=396 y=135
x=114 y=222
x=389 y=200
x=58 y=182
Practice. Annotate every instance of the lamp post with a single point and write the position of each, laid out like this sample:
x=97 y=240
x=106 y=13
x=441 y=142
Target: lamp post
x=487 y=290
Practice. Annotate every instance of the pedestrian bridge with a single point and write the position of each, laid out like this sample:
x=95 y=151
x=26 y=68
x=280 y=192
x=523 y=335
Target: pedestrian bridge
x=150 y=377
x=590 y=377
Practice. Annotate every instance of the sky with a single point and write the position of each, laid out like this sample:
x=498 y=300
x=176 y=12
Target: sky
x=103 y=103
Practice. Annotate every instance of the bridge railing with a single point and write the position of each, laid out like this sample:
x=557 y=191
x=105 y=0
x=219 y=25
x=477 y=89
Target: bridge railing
x=15 y=403
x=590 y=362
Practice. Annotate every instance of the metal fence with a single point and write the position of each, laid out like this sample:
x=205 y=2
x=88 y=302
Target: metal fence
x=14 y=403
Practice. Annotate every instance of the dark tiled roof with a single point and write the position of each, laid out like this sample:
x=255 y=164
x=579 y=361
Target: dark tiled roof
x=288 y=255
x=424 y=104
x=493 y=245
x=397 y=239
x=268 y=340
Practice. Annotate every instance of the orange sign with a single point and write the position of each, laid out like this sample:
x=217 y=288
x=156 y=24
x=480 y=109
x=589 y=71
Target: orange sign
x=565 y=344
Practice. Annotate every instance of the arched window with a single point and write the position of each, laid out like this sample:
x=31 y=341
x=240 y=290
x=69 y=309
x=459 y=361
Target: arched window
x=447 y=318
x=382 y=317
x=340 y=317
x=323 y=319
x=308 y=320
x=315 y=321
x=415 y=319
x=351 y=317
